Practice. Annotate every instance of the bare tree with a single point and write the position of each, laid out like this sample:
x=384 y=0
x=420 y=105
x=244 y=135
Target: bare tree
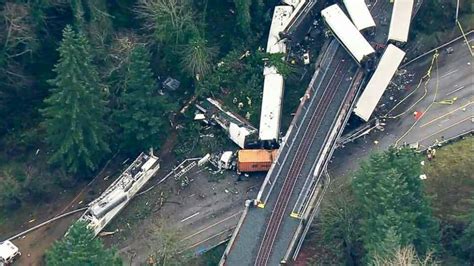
x=405 y=256
x=118 y=56
x=18 y=39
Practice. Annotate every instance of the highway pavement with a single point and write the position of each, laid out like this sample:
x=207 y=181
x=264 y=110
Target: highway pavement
x=444 y=110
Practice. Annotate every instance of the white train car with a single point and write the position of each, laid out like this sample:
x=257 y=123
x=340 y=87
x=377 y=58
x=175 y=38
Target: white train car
x=360 y=14
x=103 y=209
x=379 y=81
x=297 y=7
x=347 y=33
x=400 y=21
x=273 y=86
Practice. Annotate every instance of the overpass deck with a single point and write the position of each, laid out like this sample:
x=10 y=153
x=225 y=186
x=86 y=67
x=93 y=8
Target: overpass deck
x=265 y=236
x=329 y=91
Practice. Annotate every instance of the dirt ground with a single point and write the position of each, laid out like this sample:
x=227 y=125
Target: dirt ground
x=201 y=215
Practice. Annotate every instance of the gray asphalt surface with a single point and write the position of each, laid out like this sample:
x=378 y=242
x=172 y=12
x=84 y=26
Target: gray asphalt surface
x=445 y=119
x=447 y=107
x=202 y=215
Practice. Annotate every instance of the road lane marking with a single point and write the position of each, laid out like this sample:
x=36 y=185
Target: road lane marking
x=449 y=73
x=448 y=113
x=189 y=217
x=446 y=128
x=456 y=90
x=213 y=236
x=212 y=225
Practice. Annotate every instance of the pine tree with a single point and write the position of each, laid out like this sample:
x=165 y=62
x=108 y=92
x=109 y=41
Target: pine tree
x=338 y=223
x=80 y=247
x=74 y=113
x=466 y=243
x=142 y=116
x=391 y=200
x=243 y=14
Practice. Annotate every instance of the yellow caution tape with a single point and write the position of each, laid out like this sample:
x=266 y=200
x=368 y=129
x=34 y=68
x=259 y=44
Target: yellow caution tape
x=448 y=101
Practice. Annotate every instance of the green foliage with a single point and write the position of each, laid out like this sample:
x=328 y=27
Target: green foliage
x=277 y=60
x=74 y=115
x=169 y=21
x=243 y=14
x=80 y=247
x=239 y=76
x=450 y=183
x=197 y=57
x=391 y=201
x=10 y=192
x=339 y=222
x=439 y=15
x=142 y=114
x=450 y=179
x=168 y=249
x=466 y=242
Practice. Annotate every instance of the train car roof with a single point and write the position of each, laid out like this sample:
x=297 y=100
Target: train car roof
x=273 y=86
x=347 y=33
x=400 y=21
x=280 y=19
x=360 y=14
x=379 y=81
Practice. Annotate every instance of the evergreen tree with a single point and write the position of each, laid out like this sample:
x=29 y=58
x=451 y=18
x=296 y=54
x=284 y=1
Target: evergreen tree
x=80 y=247
x=74 y=113
x=142 y=114
x=338 y=225
x=243 y=14
x=466 y=242
x=391 y=200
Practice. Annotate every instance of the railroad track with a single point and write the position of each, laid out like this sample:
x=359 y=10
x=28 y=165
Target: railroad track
x=296 y=166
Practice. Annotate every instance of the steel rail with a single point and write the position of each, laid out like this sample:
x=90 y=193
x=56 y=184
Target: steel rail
x=295 y=170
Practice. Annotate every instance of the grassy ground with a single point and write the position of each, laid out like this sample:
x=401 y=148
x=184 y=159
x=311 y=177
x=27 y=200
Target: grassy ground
x=450 y=185
x=450 y=180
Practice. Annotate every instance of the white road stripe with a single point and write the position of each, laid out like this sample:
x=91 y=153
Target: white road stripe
x=212 y=225
x=189 y=217
x=449 y=73
x=456 y=90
